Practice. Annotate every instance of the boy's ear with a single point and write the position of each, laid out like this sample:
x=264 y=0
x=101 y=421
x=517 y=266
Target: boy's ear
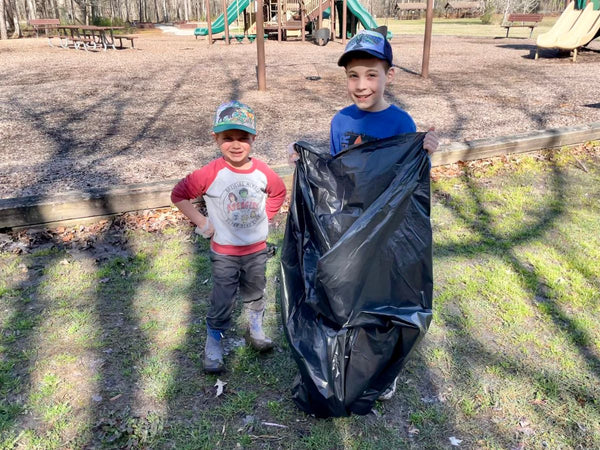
x=391 y=73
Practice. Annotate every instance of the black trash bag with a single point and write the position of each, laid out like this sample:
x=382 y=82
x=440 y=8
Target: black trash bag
x=356 y=266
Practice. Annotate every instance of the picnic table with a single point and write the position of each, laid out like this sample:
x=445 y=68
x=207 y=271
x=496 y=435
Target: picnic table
x=88 y=37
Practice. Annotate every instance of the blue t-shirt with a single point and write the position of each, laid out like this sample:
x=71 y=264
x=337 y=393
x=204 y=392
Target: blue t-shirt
x=352 y=126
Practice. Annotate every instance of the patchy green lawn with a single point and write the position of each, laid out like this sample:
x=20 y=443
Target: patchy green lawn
x=464 y=27
x=103 y=330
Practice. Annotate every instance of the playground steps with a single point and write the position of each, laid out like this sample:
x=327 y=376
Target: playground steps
x=311 y=8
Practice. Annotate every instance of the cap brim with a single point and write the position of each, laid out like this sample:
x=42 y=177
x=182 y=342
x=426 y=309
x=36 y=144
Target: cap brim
x=356 y=53
x=231 y=126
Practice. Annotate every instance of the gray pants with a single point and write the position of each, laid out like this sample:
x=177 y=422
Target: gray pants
x=230 y=273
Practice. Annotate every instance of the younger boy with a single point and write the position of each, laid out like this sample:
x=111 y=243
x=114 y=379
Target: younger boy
x=242 y=195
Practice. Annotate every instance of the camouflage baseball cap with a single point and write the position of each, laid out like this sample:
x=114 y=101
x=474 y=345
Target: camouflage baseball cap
x=234 y=115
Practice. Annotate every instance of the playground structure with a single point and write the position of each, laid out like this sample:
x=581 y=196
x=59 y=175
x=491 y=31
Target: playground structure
x=315 y=18
x=574 y=29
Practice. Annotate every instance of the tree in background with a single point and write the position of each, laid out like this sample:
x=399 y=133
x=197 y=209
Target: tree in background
x=14 y=13
x=3 y=33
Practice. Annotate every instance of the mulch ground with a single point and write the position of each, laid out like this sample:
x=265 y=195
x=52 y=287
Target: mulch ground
x=72 y=120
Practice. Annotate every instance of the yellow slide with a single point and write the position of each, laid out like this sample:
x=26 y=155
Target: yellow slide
x=564 y=23
x=584 y=31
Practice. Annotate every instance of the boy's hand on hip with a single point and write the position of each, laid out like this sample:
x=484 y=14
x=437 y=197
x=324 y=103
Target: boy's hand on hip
x=207 y=230
x=431 y=141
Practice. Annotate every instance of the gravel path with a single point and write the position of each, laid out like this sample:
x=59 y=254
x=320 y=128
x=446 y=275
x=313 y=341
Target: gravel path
x=73 y=120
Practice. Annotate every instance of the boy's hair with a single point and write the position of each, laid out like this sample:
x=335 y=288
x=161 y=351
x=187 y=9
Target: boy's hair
x=234 y=116
x=368 y=44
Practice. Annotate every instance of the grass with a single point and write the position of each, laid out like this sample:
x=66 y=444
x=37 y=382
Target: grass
x=464 y=27
x=105 y=351
x=467 y=27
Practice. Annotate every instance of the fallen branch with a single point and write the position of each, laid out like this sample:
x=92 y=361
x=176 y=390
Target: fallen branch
x=271 y=424
x=581 y=164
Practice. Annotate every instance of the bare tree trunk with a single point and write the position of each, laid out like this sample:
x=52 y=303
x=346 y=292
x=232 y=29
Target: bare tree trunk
x=32 y=11
x=506 y=11
x=3 y=32
x=16 y=13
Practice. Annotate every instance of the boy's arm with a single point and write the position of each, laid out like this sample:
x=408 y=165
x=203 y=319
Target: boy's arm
x=192 y=186
x=192 y=213
x=275 y=193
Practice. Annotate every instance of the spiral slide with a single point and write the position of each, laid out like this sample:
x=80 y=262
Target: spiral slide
x=218 y=26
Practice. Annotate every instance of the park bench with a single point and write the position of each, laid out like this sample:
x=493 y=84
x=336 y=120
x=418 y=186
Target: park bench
x=522 y=20
x=43 y=24
x=127 y=37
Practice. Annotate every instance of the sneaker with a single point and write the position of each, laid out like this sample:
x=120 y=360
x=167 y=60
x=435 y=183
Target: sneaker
x=389 y=392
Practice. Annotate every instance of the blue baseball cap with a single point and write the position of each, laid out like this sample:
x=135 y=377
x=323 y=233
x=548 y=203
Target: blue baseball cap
x=234 y=116
x=373 y=42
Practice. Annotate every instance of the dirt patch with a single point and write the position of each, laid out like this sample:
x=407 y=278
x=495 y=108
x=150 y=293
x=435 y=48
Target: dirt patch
x=73 y=120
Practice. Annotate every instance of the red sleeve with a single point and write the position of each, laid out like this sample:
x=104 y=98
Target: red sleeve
x=275 y=191
x=196 y=183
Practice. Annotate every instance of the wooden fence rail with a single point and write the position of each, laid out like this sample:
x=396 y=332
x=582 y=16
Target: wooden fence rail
x=98 y=203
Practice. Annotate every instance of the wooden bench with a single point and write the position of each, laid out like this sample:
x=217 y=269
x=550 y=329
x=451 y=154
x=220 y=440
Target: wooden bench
x=43 y=24
x=522 y=20
x=127 y=37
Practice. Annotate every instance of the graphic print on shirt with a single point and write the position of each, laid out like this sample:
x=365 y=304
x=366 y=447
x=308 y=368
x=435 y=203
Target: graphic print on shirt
x=241 y=202
x=351 y=139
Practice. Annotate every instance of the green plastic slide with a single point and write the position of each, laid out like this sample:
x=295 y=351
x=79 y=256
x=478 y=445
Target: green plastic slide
x=366 y=19
x=218 y=26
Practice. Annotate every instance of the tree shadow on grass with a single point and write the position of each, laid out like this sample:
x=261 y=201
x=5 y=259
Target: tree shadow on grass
x=72 y=358
x=114 y=346
x=489 y=242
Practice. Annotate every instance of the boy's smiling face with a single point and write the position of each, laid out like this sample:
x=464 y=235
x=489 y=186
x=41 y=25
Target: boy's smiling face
x=366 y=80
x=235 y=146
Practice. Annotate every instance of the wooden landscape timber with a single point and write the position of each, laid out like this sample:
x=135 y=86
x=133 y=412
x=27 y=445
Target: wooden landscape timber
x=57 y=209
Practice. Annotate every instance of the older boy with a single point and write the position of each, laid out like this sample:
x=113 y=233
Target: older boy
x=242 y=194
x=368 y=61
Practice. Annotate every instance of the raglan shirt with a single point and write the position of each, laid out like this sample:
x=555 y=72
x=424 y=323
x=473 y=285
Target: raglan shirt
x=353 y=126
x=240 y=203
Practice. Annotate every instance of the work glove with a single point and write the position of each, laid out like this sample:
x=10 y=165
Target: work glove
x=207 y=230
x=293 y=155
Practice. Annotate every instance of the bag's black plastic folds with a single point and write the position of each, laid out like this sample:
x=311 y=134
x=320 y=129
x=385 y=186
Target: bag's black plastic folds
x=356 y=266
